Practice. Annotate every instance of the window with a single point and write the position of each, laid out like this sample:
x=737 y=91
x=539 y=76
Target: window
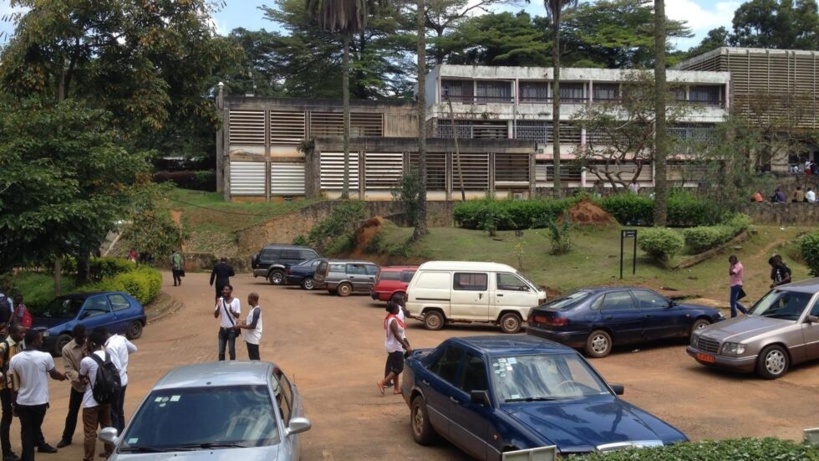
x=356 y=269
x=406 y=276
x=284 y=395
x=270 y=253
x=606 y=92
x=705 y=95
x=649 y=300
x=534 y=92
x=572 y=92
x=511 y=282
x=618 y=301
x=307 y=254
x=390 y=275
x=494 y=92
x=371 y=269
x=118 y=302
x=291 y=254
x=475 y=375
x=470 y=282
x=447 y=364
x=96 y=306
x=457 y=90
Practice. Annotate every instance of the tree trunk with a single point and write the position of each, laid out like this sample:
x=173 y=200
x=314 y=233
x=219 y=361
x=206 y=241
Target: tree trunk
x=421 y=218
x=556 y=100
x=345 y=90
x=83 y=268
x=661 y=134
x=58 y=276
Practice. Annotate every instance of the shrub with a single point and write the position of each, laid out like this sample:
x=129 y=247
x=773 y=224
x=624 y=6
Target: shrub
x=660 y=243
x=560 y=234
x=204 y=180
x=102 y=268
x=809 y=248
x=715 y=450
x=703 y=238
x=684 y=210
x=490 y=214
x=336 y=233
x=629 y=209
x=143 y=283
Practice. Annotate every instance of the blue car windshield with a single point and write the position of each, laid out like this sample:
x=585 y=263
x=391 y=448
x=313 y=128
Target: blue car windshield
x=201 y=418
x=781 y=304
x=568 y=301
x=63 y=308
x=526 y=378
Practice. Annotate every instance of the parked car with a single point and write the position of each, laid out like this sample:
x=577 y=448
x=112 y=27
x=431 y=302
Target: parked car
x=245 y=410
x=391 y=283
x=303 y=273
x=491 y=394
x=780 y=330
x=117 y=311
x=442 y=292
x=271 y=261
x=597 y=319
x=345 y=277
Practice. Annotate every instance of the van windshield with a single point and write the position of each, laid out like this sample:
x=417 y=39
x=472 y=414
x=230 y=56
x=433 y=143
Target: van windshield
x=528 y=280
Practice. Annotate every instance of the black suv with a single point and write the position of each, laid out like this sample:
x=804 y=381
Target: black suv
x=271 y=261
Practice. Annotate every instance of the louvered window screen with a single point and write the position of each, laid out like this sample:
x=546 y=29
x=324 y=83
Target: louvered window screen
x=383 y=171
x=462 y=128
x=286 y=179
x=361 y=124
x=247 y=178
x=246 y=127
x=475 y=171
x=287 y=127
x=534 y=131
x=332 y=171
x=436 y=169
x=511 y=167
x=490 y=131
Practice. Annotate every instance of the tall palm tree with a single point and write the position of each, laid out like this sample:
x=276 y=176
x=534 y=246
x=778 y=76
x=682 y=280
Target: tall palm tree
x=346 y=18
x=661 y=135
x=554 y=8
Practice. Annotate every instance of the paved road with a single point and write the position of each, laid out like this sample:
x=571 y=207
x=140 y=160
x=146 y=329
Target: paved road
x=333 y=349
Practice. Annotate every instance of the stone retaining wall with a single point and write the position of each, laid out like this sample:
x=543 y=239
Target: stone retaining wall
x=783 y=214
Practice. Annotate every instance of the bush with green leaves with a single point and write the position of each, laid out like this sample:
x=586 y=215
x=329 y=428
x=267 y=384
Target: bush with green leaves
x=102 y=268
x=702 y=238
x=335 y=234
x=660 y=243
x=684 y=209
x=714 y=450
x=408 y=192
x=809 y=247
x=490 y=214
x=143 y=283
x=629 y=209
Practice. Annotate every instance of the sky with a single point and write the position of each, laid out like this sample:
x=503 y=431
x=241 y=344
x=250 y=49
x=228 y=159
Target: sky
x=701 y=15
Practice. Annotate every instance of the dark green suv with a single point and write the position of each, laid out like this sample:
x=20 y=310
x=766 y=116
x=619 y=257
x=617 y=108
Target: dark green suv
x=271 y=261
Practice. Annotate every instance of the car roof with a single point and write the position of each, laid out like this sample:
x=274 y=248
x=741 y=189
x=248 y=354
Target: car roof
x=466 y=266
x=216 y=374
x=398 y=268
x=361 y=261
x=88 y=294
x=511 y=345
x=803 y=286
x=286 y=245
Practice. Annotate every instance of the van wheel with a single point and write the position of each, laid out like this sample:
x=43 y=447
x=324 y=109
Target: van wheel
x=344 y=289
x=276 y=277
x=434 y=320
x=308 y=283
x=511 y=322
x=397 y=298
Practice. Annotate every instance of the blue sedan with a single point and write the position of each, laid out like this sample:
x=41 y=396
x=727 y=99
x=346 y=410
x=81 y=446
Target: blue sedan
x=117 y=311
x=303 y=273
x=494 y=394
x=596 y=319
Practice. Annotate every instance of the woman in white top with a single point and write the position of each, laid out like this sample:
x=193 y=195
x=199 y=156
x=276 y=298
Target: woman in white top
x=396 y=344
x=227 y=310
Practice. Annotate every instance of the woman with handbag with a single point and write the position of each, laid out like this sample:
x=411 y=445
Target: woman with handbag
x=737 y=275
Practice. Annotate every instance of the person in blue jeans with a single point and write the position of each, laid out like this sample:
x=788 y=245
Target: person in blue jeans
x=737 y=275
x=227 y=310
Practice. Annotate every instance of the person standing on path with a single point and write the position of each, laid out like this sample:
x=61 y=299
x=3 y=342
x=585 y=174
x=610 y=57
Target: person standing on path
x=31 y=368
x=119 y=348
x=395 y=343
x=221 y=274
x=253 y=325
x=73 y=353
x=780 y=272
x=94 y=414
x=177 y=267
x=737 y=275
x=227 y=310
x=8 y=349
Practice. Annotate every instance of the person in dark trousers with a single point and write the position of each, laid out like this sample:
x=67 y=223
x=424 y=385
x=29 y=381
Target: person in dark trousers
x=780 y=272
x=227 y=310
x=8 y=348
x=73 y=353
x=177 y=267
x=252 y=326
x=221 y=274
x=31 y=368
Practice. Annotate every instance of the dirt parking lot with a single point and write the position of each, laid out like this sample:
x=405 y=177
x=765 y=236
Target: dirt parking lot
x=333 y=349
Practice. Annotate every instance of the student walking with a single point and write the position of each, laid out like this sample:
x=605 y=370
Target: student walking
x=737 y=276
x=396 y=344
x=221 y=274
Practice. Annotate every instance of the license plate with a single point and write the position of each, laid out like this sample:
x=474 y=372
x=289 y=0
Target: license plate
x=705 y=357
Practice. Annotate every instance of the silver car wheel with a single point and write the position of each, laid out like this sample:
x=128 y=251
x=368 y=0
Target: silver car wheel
x=775 y=362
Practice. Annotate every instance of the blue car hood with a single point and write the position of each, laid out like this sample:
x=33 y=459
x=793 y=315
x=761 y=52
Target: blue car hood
x=586 y=425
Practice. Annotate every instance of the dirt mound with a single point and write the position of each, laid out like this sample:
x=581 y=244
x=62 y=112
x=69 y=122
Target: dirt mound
x=586 y=212
x=365 y=234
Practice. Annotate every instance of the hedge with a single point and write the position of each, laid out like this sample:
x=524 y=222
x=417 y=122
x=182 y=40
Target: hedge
x=143 y=283
x=509 y=214
x=660 y=243
x=715 y=450
x=809 y=247
x=204 y=180
x=701 y=238
x=684 y=210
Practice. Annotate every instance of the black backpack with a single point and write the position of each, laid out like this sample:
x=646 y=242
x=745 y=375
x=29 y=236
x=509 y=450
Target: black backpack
x=107 y=384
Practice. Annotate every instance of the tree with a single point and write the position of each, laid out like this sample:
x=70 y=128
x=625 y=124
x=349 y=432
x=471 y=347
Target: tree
x=779 y=24
x=345 y=17
x=716 y=38
x=554 y=9
x=614 y=34
x=660 y=100
x=621 y=134
x=503 y=39
x=420 y=225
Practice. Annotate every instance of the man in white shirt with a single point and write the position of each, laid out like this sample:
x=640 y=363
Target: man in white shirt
x=810 y=195
x=30 y=369
x=94 y=414
x=119 y=348
x=253 y=327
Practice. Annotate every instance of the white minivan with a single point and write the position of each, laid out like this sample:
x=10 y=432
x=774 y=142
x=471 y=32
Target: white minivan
x=467 y=291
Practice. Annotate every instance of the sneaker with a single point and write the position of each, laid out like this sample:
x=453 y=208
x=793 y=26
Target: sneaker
x=11 y=457
x=63 y=443
x=46 y=448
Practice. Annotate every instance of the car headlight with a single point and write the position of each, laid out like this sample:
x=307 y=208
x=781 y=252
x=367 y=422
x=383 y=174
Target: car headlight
x=695 y=338
x=733 y=349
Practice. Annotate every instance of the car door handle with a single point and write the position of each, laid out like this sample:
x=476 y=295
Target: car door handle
x=454 y=400
x=425 y=382
x=500 y=295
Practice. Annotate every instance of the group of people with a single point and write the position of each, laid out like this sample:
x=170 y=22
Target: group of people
x=798 y=195
x=228 y=311
x=780 y=275
x=24 y=390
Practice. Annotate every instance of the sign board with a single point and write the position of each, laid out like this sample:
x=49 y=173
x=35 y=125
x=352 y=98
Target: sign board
x=532 y=454
x=628 y=233
x=812 y=436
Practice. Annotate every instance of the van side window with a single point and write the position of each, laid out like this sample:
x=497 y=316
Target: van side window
x=371 y=269
x=470 y=282
x=510 y=282
x=355 y=269
x=446 y=366
x=406 y=276
x=390 y=275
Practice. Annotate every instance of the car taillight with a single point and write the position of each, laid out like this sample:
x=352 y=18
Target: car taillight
x=550 y=321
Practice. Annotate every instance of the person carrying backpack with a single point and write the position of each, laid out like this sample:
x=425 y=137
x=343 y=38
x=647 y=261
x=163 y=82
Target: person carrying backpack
x=103 y=381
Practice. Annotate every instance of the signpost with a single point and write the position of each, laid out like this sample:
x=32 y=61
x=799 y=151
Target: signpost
x=629 y=234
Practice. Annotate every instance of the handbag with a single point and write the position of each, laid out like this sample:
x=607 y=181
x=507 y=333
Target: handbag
x=741 y=293
x=181 y=272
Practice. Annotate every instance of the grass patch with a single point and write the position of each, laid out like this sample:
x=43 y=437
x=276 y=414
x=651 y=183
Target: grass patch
x=38 y=288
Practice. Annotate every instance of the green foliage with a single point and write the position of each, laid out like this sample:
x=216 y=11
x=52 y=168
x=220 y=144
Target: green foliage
x=715 y=450
x=143 y=283
x=684 y=209
x=501 y=39
x=560 y=234
x=38 y=288
x=151 y=228
x=103 y=268
x=408 y=192
x=488 y=213
x=629 y=209
x=301 y=239
x=335 y=234
x=809 y=247
x=660 y=243
x=701 y=238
